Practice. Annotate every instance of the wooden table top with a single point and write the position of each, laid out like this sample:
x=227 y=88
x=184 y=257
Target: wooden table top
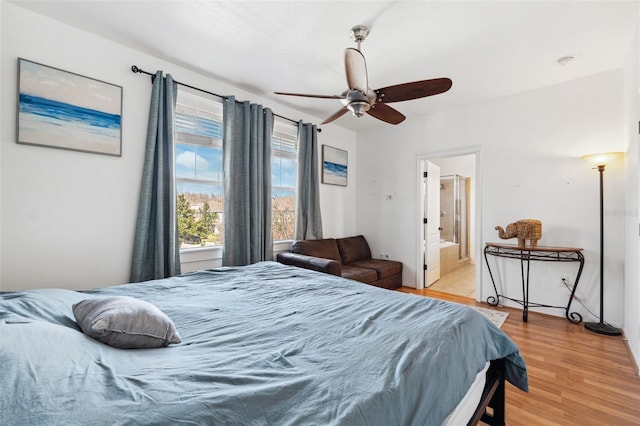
x=537 y=248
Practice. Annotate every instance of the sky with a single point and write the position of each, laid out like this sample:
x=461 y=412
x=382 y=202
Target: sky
x=199 y=162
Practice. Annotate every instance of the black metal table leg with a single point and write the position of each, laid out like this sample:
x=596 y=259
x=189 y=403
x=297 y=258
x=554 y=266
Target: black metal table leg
x=575 y=317
x=493 y=301
x=526 y=255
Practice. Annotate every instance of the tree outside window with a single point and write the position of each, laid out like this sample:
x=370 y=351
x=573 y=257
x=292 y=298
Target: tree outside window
x=199 y=175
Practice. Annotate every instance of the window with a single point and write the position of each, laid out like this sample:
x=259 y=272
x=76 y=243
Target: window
x=198 y=163
x=284 y=155
x=199 y=177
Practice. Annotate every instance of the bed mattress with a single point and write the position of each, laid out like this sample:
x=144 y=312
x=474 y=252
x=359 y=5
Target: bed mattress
x=262 y=344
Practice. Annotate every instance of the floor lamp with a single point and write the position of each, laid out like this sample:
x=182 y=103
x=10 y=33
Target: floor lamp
x=600 y=161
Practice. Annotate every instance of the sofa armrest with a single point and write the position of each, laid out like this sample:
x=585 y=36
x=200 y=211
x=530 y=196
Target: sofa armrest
x=328 y=266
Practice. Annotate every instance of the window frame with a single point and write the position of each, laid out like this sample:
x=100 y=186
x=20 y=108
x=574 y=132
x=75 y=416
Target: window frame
x=285 y=135
x=209 y=109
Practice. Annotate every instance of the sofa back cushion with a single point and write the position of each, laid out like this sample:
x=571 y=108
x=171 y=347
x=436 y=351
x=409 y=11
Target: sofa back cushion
x=353 y=249
x=327 y=248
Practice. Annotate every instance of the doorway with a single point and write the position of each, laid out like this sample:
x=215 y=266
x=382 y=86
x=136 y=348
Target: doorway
x=453 y=190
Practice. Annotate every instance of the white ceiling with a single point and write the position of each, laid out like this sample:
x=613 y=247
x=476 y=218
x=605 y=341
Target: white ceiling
x=488 y=48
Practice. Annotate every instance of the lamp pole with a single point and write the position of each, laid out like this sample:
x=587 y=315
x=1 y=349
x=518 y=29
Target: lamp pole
x=601 y=327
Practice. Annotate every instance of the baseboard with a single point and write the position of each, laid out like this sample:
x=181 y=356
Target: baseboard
x=634 y=357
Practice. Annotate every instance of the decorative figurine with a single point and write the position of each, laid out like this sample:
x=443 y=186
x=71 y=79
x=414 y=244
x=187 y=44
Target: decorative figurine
x=524 y=229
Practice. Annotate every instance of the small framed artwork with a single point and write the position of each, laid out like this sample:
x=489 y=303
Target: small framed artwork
x=334 y=166
x=61 y=109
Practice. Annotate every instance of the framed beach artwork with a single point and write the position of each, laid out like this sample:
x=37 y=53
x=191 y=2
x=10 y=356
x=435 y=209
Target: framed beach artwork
x=61 y=109
x=334 y=166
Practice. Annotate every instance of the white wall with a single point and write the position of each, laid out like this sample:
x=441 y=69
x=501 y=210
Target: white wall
x=529 y=167
x=632 y=193
x=463 y=165
x=67 y=218
x=2 y=114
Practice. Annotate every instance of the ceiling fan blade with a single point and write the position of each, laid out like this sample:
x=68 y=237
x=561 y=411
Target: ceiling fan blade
x=335 y=116
x=356 y=70
x=386 y=113
x=305 y=95
x=414 y=90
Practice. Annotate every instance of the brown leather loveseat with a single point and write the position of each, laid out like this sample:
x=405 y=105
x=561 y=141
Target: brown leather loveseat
x=346 y=257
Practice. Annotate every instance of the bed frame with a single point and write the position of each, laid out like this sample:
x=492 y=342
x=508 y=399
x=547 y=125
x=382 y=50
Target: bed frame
x=493 y=397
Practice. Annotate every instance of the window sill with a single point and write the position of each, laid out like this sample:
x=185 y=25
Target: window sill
x=199 y=249
x=200 y=254
x=203 y=254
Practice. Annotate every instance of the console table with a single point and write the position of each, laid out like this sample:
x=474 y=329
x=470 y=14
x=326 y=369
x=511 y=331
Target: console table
x=526 y=254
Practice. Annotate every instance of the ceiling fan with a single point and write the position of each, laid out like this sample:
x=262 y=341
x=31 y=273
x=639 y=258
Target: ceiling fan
x=359 y=98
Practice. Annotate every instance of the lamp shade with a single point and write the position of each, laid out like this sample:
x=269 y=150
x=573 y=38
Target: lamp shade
x=602 y=159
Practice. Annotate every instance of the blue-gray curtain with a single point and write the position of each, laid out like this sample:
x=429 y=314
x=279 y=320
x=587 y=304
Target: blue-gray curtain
x=308 y=218
x=247 y=183
x=155 y=250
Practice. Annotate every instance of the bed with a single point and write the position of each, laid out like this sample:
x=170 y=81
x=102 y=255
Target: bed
x=260 y=344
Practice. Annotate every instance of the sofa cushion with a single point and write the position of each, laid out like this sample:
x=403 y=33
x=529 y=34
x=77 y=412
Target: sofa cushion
x=326 y=248
x=353 y=249
x=328 y=266
x=359 y=274
x=392 y=282
x=384 y=268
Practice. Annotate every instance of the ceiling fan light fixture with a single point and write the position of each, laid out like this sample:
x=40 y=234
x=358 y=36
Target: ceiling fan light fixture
x=358 y=34
x=358 y=108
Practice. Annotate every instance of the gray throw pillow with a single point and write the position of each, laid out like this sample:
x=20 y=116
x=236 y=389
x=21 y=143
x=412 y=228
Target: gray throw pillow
x=125 y=322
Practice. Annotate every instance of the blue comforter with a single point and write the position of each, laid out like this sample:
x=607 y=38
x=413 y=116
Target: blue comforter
x=263 y=344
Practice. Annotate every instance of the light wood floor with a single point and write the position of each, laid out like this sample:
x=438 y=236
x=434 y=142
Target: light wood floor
x=576 y=377
x=461 y=281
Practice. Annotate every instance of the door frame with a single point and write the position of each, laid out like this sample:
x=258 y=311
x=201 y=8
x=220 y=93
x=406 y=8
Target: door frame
x=476 y=220
x=433 y=273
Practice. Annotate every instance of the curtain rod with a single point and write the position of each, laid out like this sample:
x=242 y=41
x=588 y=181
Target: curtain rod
x=135 y=69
